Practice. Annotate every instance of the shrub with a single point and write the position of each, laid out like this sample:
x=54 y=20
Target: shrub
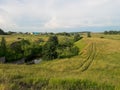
x=89 y=34
x=77 y=37
x=3 y=47
x=49 y=49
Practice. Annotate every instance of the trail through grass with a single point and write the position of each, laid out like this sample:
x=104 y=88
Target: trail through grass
x=96 y=68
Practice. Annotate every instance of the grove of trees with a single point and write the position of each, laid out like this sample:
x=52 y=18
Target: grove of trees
x=3 y=47
x=49 y=50
x=112 y=32
x=2 y=32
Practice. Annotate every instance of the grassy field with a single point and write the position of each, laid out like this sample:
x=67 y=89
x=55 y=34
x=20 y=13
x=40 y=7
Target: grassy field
x=97 y=67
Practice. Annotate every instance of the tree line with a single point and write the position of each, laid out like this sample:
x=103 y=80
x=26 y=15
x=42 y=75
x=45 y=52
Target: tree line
x=111 y=32
x=48 y=50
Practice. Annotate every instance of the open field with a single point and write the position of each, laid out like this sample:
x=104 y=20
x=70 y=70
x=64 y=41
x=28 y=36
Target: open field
x=97 y=67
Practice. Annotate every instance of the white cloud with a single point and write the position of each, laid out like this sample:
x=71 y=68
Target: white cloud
x=55 y=14
x=52 y=24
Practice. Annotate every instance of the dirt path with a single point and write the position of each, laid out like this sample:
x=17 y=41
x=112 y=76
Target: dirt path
x=91 y=56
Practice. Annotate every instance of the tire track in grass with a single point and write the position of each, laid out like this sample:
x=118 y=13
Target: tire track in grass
x=87 y=58
x=91 y=59
x=90 y=53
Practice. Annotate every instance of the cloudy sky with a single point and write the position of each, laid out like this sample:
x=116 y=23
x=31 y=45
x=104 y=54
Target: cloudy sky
x=59 y=15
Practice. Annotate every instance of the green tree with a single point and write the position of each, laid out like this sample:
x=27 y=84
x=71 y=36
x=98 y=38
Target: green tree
x=49 y=49
x=16 y=48
x=89 y=34
x=1 y=32
x=36 y=49
x=25 y=47
x=3 y=47
x=77 y=37
x=75 y=50
x=53 y=39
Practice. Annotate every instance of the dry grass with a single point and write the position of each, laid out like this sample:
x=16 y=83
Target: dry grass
x=104 y=69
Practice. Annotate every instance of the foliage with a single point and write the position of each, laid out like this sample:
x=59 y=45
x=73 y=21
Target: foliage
x=52 y=84
x=53 y=39
x=2 y=32
x=64 y=34
x=66 y=42
x=88 y=34
x=40 y=40
x=36 y=49
x=77 y=37
x=65 y=74
x=68 y=52
x=49 y=49
x=3 y=47
x=25 y=46
x=14 y=51
x=67 y=49
x=112 y=32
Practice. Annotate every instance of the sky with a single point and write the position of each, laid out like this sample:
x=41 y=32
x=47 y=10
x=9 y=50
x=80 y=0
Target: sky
x=59 y=15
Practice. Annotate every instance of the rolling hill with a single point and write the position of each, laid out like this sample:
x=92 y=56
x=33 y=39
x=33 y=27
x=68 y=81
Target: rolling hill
x=97 y=67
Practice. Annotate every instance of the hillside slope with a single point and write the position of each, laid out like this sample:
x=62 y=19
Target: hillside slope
x=98 y=62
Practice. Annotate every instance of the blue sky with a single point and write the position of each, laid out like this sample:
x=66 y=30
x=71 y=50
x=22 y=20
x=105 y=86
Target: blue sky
x=59 y=15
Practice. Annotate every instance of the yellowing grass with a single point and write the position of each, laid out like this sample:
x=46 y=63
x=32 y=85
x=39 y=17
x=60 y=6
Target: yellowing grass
x=104 y=68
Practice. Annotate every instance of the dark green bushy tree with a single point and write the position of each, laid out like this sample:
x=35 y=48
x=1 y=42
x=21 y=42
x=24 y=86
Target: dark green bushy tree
x=77 y=37
x=36 y=49
x=49 y=49
x=34 y=52
x=67 y=49
x=16 y=50
x=75 y=50
x=2 y=32
x=66 y=43
x=3 y=47
x=53 y=39
x=89 y=34
x=112 y=32
x=25 y=47
x=40 y=40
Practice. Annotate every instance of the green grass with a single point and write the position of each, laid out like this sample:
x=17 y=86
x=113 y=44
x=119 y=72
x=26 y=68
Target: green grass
x=97 y=67
x=31 y=38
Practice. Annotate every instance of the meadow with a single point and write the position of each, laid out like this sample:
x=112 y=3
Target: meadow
x=97 y=67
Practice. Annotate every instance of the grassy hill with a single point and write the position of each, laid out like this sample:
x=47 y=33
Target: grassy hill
x=97 y=67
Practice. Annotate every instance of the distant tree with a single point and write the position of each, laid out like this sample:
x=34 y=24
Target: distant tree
x=89 y=34
x=64 y=34
x=66 y=42
x=112 y=32
x=105 y=32
x=2 y=32
x=3 y=47
x=11 y=32
x=77 y=37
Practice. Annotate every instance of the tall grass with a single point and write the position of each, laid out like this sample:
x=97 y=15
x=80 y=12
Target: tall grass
x=65 y=74
x=53 y=84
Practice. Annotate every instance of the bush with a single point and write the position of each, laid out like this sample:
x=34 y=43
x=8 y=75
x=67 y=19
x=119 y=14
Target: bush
x=2 y=32
x=89 y=34
x=3 y=47
x=49 y=49
x=68 y=52
x=77 y=37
